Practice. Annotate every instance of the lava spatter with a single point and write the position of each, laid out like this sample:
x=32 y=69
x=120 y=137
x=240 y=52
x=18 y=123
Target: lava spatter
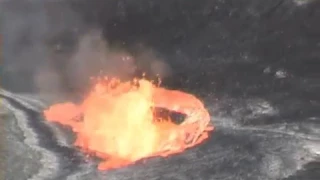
x=118 y=123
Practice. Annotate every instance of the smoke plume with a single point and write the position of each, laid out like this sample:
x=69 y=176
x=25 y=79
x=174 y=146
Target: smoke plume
x=48 y=48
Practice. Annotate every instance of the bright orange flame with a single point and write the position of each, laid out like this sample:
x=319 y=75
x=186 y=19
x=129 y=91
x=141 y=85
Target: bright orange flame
x=119 y=124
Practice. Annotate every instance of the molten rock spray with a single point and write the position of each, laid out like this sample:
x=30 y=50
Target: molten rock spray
x=117 y=122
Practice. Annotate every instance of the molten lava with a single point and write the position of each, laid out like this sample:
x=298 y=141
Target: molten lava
x=117 y=121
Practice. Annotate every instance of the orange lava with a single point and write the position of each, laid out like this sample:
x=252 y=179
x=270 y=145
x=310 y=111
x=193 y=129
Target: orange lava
x=116 y=122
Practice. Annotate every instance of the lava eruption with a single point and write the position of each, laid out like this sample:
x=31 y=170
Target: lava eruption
x=117 y=121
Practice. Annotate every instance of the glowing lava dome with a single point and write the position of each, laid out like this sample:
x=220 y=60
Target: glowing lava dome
x=117 y=121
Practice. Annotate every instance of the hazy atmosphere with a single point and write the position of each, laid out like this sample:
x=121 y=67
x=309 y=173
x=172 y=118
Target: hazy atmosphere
x=254 y=63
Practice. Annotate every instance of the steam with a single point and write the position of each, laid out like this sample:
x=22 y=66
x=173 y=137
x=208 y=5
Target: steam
x=49 y=49
x=94 y=57
x=152 y=63
x=32 y=32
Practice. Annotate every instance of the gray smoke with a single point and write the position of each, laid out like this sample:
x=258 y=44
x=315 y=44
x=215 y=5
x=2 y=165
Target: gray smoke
x=33 y=32
x=48 y=48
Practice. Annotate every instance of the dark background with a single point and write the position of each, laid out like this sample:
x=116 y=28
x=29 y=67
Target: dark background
x=254 y=63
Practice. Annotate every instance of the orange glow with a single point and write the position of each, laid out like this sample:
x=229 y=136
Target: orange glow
x=117 y=123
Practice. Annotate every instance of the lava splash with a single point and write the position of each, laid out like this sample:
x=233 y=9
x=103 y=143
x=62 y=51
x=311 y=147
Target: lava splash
x=117 y=121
